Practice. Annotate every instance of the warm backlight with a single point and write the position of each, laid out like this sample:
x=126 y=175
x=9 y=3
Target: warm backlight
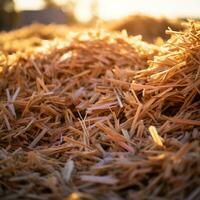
x=114 y=9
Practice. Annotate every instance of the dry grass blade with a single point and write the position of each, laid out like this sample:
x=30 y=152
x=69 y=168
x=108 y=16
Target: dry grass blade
x=67 y=171
x=99 y=179
x=38 y=138
x=156 y=138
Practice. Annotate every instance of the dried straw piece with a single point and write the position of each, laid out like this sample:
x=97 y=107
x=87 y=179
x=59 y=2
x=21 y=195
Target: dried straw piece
x=99 y=179
x=67 y=171
x=156 y=138
x=38 y=138
x=184 y=121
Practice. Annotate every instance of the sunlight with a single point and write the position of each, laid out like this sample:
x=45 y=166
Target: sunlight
x=83 y=10
x=115 y=9
x=29 y=4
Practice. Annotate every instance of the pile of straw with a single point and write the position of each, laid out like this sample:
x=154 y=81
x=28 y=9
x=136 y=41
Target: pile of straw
x=149 y=27
x=30 y=36
x=101 y=115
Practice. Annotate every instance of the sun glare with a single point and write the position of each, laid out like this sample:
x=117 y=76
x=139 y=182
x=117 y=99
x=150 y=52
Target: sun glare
x=29 y=4
x=115 y=9
x=83 y=10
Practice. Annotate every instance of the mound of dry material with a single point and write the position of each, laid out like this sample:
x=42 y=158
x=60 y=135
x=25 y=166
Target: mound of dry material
x=30 y=36
x=149 y=27
x=95 y=116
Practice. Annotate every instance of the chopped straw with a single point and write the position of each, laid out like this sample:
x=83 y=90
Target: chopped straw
x=156 y=138
x=78 y=116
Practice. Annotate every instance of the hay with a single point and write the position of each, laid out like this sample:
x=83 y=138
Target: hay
x=30 y=36
x=151 y=28
x=102 y=115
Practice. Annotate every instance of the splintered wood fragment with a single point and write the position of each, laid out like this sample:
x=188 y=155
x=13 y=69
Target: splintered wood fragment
x=127 y=147
x=7 y=122
x=25 y=129
x=137 y=86
x=156 y=138
x=110 y=132
x=10 y=104
x=135 y=119
x=36 y=67
x=74 y=142
x=109 y=180
x=26 y=109
x=40 y=82
x=38 y=138
x=116 y=137
x=14 y=97
x=118 y=99
x=75 y=130
x=67 y=171
x=183 y=150
x=85 y=132
x=126 y=134
x=49 y=109
x=123 y=84
x=184 y=121
x=135 y=97
x=100 y=148
x=102 y=106
x=85 y=72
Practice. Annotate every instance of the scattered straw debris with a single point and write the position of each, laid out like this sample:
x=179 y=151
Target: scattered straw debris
x=76 y=113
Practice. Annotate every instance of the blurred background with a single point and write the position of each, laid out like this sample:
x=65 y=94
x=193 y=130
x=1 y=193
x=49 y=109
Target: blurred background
x=18 y=13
